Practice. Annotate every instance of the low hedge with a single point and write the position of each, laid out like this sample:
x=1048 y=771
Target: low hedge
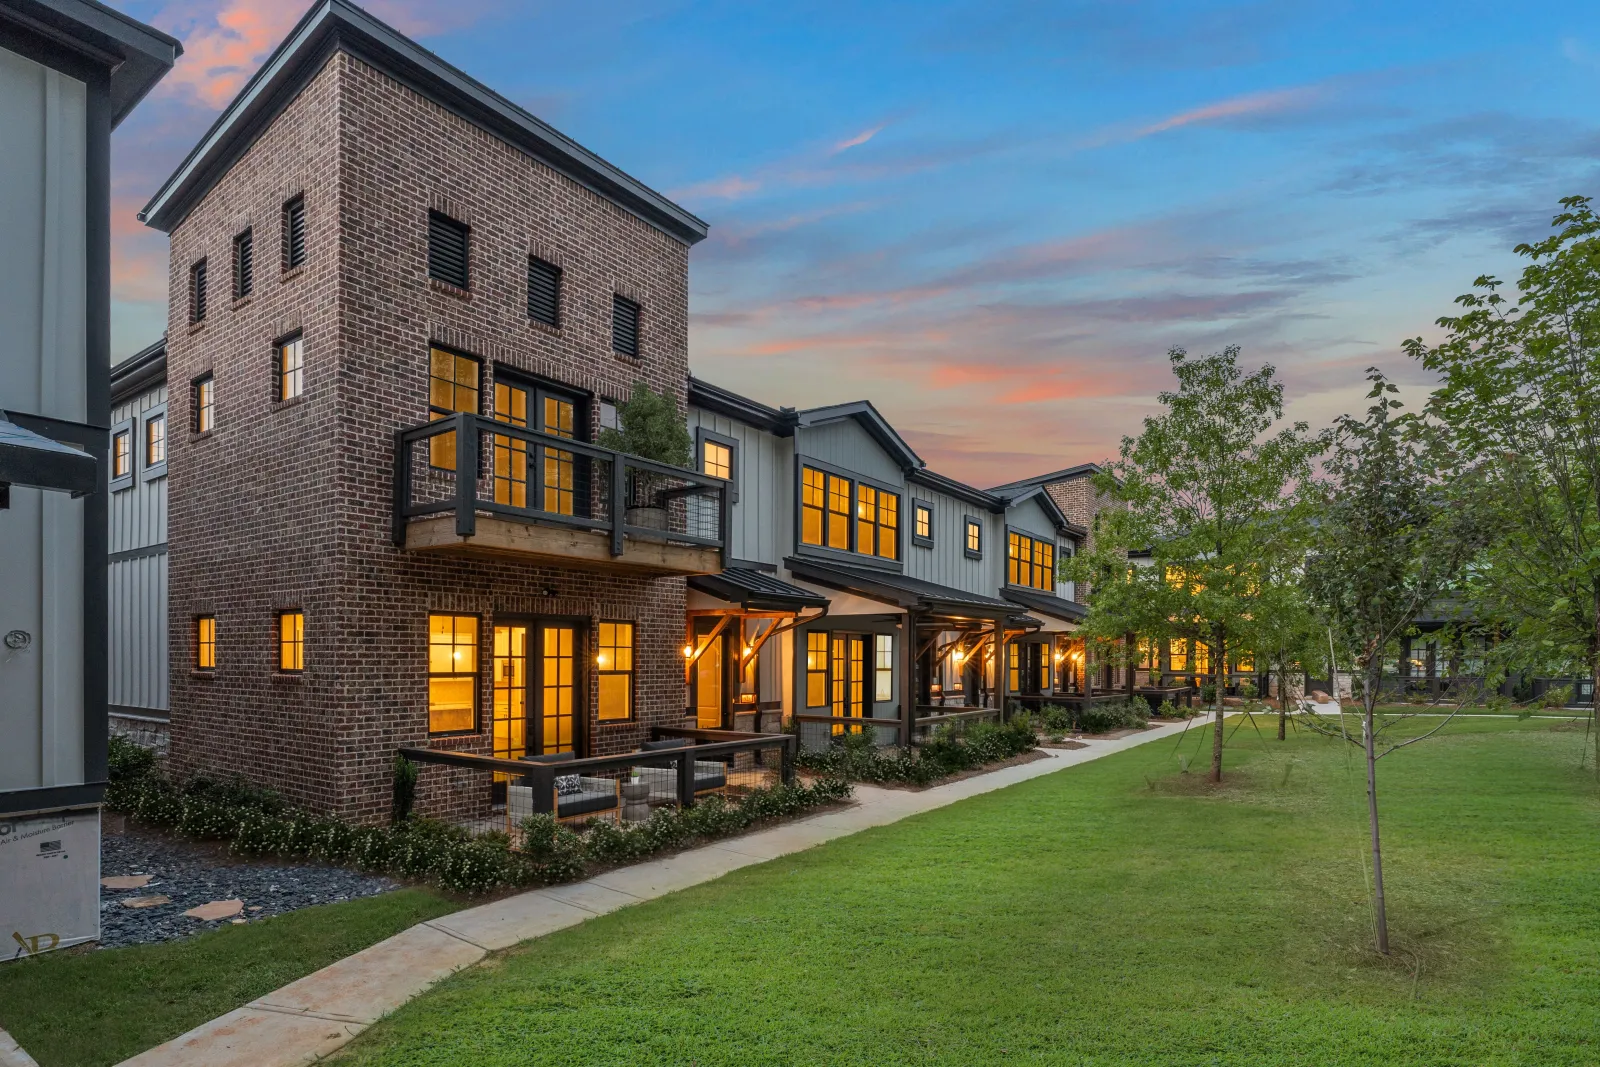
x=951 y=750
x=258 y=822
x=1098 y=718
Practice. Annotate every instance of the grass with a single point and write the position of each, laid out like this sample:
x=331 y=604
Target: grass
x=88 y=1008
x=1116 y=913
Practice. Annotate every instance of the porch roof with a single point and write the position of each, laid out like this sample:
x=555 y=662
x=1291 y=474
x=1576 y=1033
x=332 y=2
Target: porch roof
x=751 y=589
x=912 y=594
x=32 y=459
x=1047 y=604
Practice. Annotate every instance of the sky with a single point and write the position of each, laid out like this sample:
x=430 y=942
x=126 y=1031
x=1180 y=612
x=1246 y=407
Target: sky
x=994 y=219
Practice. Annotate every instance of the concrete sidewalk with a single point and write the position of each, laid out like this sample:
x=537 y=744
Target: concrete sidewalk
x=307 y=1020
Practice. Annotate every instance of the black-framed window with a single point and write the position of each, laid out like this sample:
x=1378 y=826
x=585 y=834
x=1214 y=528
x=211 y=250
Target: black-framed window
x=448 y=250
x=203 y=401
x=877 y=522
x=824 y=509
x=718 y=457
x=244 y=264
x=1030 y=561
x=155 y=440
x=972 y=539
x=294 y=232
x=817 y=669
x=289 y=367
x=122 y=453
x=624 y=326
x=614 y=664
x=883 y=668
x=197 y=291
x=205 y=643
x=292 y=641
x=452 y=674
x=544 y=292
x=848 y=514
x=455 y=382
x=922 y=523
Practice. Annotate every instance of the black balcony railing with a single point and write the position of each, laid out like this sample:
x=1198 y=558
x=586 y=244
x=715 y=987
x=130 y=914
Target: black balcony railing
x=533 y=477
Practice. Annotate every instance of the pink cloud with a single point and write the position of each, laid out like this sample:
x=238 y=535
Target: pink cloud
x=1269 y=102
x=859 y=139
x=224 y=49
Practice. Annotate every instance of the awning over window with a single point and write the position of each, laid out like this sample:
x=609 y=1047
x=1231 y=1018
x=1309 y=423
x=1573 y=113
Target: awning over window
x=31 y=459
x=1045 y=604
x=754 y=590
x=911 y=594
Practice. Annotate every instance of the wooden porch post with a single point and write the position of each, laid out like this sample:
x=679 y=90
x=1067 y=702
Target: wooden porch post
x=908 y=678
x=1001 y=672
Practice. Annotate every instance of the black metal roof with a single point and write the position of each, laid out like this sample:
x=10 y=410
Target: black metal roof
x=1046 y=604
x=333 y=25
x=755 y=591
x=137 y=56
x=34 y=460
x=714 y=398
x=140 y=371
x=1054 y=476
x=898 y=589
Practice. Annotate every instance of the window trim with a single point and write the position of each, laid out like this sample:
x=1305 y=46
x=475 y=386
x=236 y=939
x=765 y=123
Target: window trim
x=277 y=640
x=527 y=281
x=200 y=643
x=476 y=673
x=701 y=437
x=847 y=555
x=632 y=672
x=466 y=251
x=968 y=522
x=278 y=346
x=1055 y=557
x=638 y=326
x=244 y=283
x=209 y=377
x=285 y=220
x=916 y=538
x=120 y=482
x=150 y=472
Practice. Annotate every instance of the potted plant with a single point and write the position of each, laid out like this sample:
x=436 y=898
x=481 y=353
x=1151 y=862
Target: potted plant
x=650 y=426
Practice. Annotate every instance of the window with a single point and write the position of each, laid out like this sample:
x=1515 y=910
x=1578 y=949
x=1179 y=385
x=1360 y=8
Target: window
x=1013 y=668
x=197 y=292
x=244 y=268
x=452 y=674
x=292 y=641
x=607 y=415
x=294 y=233
x=1178 y=655
x=544 y=292
x=974 y=540
x=877 y=522
x=205 y=405
x=624 y=326
x=452 y=387
x=716 y=459
x=1030 y=562
x=205 y=643
x=291 y=368
x=922 y=524
x=447 y=250
x=816 y=669
x=1202 y=658
x=838 y=513
x=615 y=667
x=122 y=453
x=883 y=668
x=155 y=441
x=811 y=506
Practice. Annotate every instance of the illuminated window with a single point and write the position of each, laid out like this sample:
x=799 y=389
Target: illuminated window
x=452 y=387
x=974 y=540
x=1030 y=562
x=1147 y=654
x=1044 y=668
x=1202 y=658
x=1178 y=651
x=155 y=441
x=614 y=663
x=816 y=670
x=838 y=512
x=291 y=361
x=122 y=454
x=1014 y=667
x=922 y=524
x=560 y=467
x=205 y=642
x=292 y=641
x=717 y=460
x=205 y=405
x=888 y=525
x=452 y=674
x=510 y=458
x=1245 y=663
x=866 y=519
x=812 y=503
x=883 y=668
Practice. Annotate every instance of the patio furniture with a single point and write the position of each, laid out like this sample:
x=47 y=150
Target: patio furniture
x=710 y=776
x=583 y=799
x=636 y=801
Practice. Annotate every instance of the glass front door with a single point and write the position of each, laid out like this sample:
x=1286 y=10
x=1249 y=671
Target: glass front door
x=559 y=489
x=559 y=704
x=560 y=481
x=849 y=678
x=511 y=453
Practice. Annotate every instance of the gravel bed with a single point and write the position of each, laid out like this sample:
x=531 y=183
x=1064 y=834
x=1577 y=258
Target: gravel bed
x=194 y=873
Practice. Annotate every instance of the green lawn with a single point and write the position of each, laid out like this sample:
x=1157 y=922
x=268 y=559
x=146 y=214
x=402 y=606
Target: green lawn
x=84 y=1009
x=1116 y=913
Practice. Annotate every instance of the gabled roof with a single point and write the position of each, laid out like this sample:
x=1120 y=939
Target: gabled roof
x=875 y=424
x=333 y=25
x=1047 y=502
x=755 y=591
x=137 y=55
x=140 y=371
x=1066 y=474
x=959 y=490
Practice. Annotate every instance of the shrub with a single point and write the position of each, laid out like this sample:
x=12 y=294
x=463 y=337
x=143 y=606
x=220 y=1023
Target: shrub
x=1056 y=717
x=126 y=761
x=951 y=750
x=1557 y=697
x=1116 y=715
x=405 y=788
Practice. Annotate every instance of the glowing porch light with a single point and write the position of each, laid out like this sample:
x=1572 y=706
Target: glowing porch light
x=688 y=651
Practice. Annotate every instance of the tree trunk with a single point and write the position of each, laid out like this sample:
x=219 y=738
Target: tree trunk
x=1283 y=699
x=1219 y=649
x=1368 y=700
x=1594 y=692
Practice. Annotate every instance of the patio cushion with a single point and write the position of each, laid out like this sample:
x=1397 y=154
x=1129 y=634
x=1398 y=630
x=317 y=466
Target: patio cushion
x=552 y=757
x=708 y=774
x=593 y=798
x=569 y=784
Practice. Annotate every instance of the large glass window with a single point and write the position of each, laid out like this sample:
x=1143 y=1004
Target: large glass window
x=877 y=522
x=452 y=387
x=292 y=641
x=812 y=505
x=883 y=668
x=452 y=674
x=511 y=453
x=614 y=662
x=826 y=515
x=560 y=468
x=1030 y=562
x=816 y=670
x=838 y=513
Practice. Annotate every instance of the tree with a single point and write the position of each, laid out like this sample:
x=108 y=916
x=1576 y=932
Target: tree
x=1520 y=391
x=1207 y=489
x=1390 y=541
x=650 y=425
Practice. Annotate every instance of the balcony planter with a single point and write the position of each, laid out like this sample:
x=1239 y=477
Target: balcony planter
x=649 y=518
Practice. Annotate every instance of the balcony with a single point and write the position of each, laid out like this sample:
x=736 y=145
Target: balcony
x=543 y=499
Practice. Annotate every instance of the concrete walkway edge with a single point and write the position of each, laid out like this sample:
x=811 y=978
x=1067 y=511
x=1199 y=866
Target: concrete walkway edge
x=309 y=1019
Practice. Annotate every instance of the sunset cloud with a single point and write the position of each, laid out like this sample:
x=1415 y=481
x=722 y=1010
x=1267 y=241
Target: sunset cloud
x=1271 y=102
x=859 y=139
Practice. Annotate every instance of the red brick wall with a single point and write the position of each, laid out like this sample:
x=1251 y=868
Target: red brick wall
x=291 y=507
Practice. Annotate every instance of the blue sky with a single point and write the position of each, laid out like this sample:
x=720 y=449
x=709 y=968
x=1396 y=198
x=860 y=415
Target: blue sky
x=993 y=219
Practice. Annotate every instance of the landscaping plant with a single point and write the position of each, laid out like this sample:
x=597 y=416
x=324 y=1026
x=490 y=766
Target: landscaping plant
x=953 y=748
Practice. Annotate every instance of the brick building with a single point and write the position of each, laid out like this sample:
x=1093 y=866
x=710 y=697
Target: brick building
x=383 y=273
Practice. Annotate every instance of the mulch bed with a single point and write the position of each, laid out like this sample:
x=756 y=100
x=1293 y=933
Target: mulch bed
x=192 y=873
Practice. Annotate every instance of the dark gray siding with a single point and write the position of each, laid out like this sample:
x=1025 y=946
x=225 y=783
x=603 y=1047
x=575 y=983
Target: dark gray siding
x=138 y=571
